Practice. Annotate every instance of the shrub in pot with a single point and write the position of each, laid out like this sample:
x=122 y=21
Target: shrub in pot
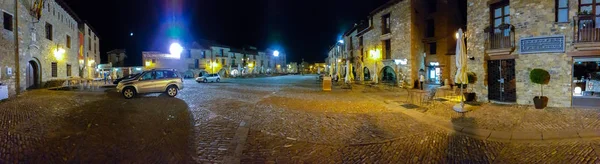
x=470 y=95
x=541 y=77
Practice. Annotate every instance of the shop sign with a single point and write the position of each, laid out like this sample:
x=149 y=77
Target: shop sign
x=543 y=44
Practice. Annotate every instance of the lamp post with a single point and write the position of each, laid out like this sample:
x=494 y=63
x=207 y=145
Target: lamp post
x=276 y=55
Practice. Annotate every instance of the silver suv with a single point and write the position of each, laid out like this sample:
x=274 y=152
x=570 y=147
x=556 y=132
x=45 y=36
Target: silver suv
x=154 y=81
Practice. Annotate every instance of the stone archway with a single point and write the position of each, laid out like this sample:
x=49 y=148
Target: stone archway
x=33 y=74
x=367 y=74
x=388 y=74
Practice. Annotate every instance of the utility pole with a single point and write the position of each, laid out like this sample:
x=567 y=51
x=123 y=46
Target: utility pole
x=16 y=35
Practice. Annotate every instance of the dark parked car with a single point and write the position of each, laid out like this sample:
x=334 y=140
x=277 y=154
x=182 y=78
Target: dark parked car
x=125 y=78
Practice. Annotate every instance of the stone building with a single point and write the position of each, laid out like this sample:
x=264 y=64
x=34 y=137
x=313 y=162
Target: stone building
x=403 y=39
x=90 y=47
x=117 y=57
x=48 y=47
x=159 y=60
x=510 y=38
x=205 y=56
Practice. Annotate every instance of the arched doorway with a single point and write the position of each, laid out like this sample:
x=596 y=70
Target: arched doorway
x=235 y=73
x=367 y=74
x=33 y=75
x=388 y=74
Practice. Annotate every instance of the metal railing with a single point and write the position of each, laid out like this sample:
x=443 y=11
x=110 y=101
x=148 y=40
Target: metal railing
x=585 y=29
x=502 y=37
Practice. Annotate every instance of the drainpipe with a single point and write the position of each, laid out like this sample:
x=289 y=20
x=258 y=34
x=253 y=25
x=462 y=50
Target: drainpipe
x=16 y=35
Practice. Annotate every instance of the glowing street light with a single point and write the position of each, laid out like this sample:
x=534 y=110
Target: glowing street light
x=375 y=55
x=175 y=50
x=59 y=53
x=276 y=53
x=341 y=41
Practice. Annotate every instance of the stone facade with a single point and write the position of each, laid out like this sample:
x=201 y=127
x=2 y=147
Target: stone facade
x=117 y=57
x=409 y=50
x=91 y=50
x=530 y=18
x=402 y=35
x=210 y=57
x=38 y=49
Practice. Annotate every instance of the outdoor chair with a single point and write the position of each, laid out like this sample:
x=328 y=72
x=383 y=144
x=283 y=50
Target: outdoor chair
x=429 y=98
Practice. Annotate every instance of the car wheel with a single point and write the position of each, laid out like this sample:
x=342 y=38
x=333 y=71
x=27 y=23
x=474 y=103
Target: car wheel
x=205 y=81
x=218 y=80
x=172 y=91
x=128 y=93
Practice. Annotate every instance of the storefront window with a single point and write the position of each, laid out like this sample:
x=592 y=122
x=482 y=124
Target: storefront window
x=586 y=82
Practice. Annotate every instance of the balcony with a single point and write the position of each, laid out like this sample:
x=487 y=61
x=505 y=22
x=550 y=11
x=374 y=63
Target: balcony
x=586 y=34
x=501 y=40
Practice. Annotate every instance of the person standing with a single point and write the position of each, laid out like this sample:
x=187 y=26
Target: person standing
x=421 y=81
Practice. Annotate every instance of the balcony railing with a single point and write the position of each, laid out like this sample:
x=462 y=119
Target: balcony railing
x=502 y=37
x=586 y=29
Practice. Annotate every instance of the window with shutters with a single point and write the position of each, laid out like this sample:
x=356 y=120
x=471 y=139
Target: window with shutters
x=386 y=23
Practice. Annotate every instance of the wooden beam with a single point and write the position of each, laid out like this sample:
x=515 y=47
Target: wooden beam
x=583 y=53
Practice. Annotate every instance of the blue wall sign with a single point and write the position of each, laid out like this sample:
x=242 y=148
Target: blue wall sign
x=544 y=44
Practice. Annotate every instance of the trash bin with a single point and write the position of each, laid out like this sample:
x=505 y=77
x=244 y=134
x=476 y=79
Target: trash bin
x=326 y=83
x=3 y=92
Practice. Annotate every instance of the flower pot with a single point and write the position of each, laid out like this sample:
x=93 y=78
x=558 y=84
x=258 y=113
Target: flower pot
x=470 y=96
x=540 y=102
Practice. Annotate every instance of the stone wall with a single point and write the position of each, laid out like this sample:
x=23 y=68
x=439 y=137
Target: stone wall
x=36 y=48
x=531 y=18
x=478 y=18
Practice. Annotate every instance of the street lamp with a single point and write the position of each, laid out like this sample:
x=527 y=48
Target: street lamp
x=375 y=55
x=59 y=53
x=276 y=54
x=175 y=50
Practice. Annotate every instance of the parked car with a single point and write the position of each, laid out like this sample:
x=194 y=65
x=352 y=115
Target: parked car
x=209 y=78
x=166 y=81
x=116 y=82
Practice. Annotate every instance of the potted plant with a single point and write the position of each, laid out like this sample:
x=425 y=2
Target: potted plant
x=541 y=77
x=470 y=95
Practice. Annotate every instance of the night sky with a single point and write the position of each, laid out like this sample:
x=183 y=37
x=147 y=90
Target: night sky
x=304 y=29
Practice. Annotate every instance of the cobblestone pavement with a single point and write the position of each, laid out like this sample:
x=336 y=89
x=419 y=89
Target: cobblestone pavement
x=503 y=117
x=264 y=120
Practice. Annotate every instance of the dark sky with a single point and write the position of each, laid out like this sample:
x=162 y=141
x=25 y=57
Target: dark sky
x=301 y=28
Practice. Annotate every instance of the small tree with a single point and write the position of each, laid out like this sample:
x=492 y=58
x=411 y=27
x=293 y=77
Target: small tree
x=472 y=78
x=541 y=77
